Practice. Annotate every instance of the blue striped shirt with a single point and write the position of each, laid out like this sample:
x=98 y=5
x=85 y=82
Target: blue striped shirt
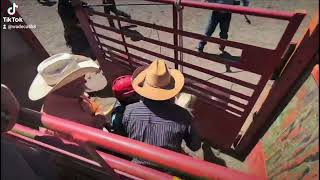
x=160 y=123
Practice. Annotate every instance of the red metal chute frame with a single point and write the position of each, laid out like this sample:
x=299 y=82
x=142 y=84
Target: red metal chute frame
x=161 y=156
x=228 y=112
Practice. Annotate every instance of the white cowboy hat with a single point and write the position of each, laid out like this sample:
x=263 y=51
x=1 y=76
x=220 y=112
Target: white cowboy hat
x=61 y=69
x=157 y=82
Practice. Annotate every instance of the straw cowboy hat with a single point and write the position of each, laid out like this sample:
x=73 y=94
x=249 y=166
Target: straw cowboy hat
x=157 y=82
x=61 y=69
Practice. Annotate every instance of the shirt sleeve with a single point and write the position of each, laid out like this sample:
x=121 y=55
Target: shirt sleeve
x=192 y=137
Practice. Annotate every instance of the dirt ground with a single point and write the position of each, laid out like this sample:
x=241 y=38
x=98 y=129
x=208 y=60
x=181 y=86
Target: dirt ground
x=262 y=32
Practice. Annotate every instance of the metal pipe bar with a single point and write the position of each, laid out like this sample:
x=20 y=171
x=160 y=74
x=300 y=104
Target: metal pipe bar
x=123 y=60
x=175 y=35
x=285 y=87
x=138 y=149
x=114 y=162
x=223 y=104
x=141 y=23
x=214 y=86
x=132 y=55
x=206 y=98
x=217 y=95
x=180 y=32
x=236 y=103
x=231 y=8
x=227 y=78
x=57 y=150
x=181 y=49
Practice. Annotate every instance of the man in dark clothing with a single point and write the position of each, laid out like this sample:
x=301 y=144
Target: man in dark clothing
x=112 y=8
x=221 y=18
x=156 y=120
x=73 y=34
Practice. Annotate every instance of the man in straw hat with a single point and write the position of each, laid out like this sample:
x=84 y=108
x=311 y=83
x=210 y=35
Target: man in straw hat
x=156 y=119
x=63 y=79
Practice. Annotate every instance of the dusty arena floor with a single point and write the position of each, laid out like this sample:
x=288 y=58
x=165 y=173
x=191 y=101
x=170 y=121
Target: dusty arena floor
x=262 y=32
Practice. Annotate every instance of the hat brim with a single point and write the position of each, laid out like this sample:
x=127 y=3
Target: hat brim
x=158 y=94
x=95 y=82
x=39 y=88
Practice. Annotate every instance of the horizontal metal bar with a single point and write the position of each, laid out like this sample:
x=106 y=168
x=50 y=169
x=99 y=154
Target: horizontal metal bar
x=236 y=103
x=181 y=49
x=216 y=103
x=53 y=149
x=223 y=100
x=141 y=23
x=145 y=61
x=215 y=40
x=228 y=78
x=220 y=88
x=219 y=96
x=232 y=8
x=179 y=32
x=114 y=162
x=139 y=149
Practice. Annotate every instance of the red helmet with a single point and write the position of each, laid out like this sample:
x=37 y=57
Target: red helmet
x=122 y=88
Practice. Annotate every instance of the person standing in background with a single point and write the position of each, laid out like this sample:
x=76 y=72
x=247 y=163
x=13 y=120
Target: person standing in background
x=223 y=19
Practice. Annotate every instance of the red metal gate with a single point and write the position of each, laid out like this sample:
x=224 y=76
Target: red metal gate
x=220 y=112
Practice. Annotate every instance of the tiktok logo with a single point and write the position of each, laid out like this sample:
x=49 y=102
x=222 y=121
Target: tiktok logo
x=12 y=10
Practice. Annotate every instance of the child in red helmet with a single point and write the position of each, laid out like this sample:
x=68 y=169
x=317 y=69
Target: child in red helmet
x=125 y=94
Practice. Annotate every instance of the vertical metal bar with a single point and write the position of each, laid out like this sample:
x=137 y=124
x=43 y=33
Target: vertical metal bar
x=95 y=33
x=124 y=41
x=288 y=34
x=180 y=37
x=85 y=25
x=284 y=88
x=175 y=34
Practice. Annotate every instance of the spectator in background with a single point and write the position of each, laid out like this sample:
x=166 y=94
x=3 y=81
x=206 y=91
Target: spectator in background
x=156 y=119
x=222 y=18
x=111 y=7
x=73 y=34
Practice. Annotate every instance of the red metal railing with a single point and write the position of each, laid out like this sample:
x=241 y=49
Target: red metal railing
x=123 y=145
x=253 y=60
x=120 y=165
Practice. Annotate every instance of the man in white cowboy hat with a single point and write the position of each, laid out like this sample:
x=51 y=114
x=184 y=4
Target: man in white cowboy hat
x=63 y=79
x=156 y=119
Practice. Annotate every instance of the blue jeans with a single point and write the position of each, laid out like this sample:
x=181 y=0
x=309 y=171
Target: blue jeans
x=221 y=18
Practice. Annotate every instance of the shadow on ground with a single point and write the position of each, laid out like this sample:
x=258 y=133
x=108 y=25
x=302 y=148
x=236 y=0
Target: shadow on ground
x=134 y=35
x=226 y=56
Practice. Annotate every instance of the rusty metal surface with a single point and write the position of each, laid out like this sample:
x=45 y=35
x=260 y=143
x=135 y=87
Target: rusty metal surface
x=291 y=145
